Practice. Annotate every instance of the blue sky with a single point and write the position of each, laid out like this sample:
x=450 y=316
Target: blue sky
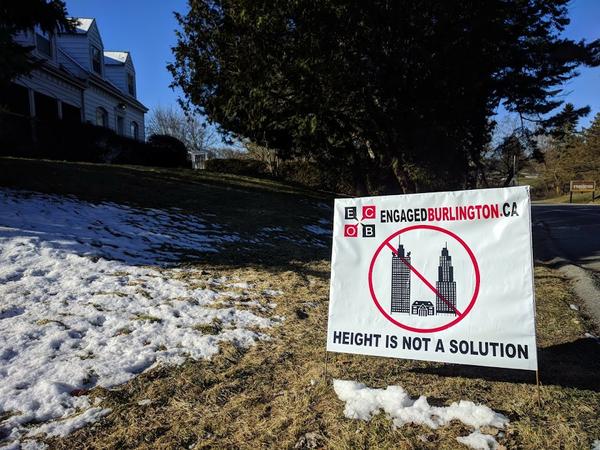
x=145 y=27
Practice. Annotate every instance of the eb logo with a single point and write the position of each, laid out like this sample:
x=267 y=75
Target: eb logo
x=365 y=230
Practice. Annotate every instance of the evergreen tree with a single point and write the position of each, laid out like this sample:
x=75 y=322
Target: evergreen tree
x=401 y=90
x=23 y=15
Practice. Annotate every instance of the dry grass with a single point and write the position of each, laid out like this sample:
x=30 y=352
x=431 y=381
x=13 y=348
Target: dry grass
x=584 y=198
x=275 y=395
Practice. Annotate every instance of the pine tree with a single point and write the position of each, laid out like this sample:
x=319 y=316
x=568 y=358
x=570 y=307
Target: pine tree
x=23 y=15
x=402 y=90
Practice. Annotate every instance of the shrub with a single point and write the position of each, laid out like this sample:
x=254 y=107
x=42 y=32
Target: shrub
x=68 y=141
x=167 y=151
x=235 y=166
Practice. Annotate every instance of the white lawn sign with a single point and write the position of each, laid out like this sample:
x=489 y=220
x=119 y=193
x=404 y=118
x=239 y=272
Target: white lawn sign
x=439 y=277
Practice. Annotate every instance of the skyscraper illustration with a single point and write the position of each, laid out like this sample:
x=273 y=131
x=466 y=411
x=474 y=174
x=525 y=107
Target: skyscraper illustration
x=400 y=282
x=446 y=285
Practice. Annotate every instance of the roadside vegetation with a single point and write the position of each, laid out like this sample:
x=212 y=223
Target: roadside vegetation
x=278 y=393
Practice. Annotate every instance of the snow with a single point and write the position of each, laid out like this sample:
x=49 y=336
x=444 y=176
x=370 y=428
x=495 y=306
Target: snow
x=596 y=445
x=111 y=57
x=272 y=292
x=82 y=24
x=107 y=230
x=62 y=428
x=478 y=441
x=363 y=403
x=81 y=307
x=241 y=285
x=319 y=231
x=574 y=307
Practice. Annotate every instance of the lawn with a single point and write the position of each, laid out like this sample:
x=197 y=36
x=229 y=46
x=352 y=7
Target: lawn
x=578 y=198
x=277 y=393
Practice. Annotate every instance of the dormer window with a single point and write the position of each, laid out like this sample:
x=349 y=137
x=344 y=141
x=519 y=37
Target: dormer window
x=131 y=84
x=96 y=60
x=43 y=42
x=101 y=117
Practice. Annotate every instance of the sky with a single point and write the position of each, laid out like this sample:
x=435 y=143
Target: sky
x=146 y=29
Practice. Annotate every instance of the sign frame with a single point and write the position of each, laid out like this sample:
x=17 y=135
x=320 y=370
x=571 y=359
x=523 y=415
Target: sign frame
x=355 y=313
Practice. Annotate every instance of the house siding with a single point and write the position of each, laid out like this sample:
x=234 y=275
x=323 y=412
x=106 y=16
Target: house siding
x=78 y=48
x=52 y=86
x=117 y=76
x=98 y=98
x=72 y=60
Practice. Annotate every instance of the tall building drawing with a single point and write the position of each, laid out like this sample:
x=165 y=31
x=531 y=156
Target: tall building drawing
x=446 y=285
x=400 y=282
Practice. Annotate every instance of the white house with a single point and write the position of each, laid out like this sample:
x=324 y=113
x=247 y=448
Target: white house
x=79 y=81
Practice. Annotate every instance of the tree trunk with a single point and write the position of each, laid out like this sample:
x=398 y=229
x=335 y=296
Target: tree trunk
x=401 y=176
x=358 y=177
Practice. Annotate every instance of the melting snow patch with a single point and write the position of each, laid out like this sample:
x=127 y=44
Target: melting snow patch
x=363 y=403
x=241 y=285
x=78 y=311
x=316 y=229
x=479 y=441
x=596 y=445
x=107 y=230
x=61 y=428
x=272 y=292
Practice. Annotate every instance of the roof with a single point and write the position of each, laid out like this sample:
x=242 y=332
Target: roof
x=113 y=58
x=82 y=25
x=422 y=303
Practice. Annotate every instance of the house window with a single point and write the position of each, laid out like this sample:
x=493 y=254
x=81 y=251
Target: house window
x=96 y=60
x=135 y=130
x=71 y=113
x=101 y=117
x=15 y=98
x=46 y=108
x=120 y=125
x=131 y=84
x=43 y=43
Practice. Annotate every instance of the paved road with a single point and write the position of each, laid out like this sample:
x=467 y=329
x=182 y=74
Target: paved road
x=571 y=232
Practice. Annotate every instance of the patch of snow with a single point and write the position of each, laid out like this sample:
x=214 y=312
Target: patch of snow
x=596 y=445
x=61 y=428
x=241 y=285
x=316 y=229
x=144 y=402
x=272 y=292
x=593 y=337
x=478 y=441
x=272 y=229
x=363 y=403
x=82 y=24
x=574 y=307
x=78 y=311
x=106 y=230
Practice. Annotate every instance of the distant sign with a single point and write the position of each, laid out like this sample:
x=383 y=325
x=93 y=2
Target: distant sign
x=438 y=277
x=583 y=186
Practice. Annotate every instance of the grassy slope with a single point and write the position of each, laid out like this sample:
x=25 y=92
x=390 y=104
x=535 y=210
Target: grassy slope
x=241 y=204
x=582 y=198
x=273 y=394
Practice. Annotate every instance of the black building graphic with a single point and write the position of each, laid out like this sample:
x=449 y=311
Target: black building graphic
x=400 y=282
x=445 y=302
x=446 y=285
x=422 y=308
